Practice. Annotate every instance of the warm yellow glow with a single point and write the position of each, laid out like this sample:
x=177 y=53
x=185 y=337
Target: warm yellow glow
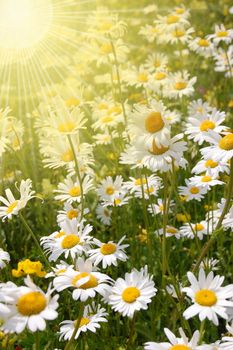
x=23 y=23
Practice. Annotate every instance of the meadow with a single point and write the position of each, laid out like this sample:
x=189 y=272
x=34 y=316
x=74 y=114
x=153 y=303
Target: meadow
x=116 y=169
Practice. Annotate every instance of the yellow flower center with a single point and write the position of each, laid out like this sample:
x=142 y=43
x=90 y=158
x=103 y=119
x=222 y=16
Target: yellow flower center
x=109 y=190
x=115 y=109
x=149 y=190
x=67 y=126
x=75 y=191
x=180 y=347
x=105 y=26
x=172 y=19
x=194 y=190
x=139 y=182
x=160 y=76
x=60 y=234
x=161 y=207
x=157 y=63
x=172 y=230
x=31 y=303
x=92 y=283
x=178 y=33
x=71 y=214
x=84 y=321
x=180 y=10
x=11 y=207
x=206 y=297
x=107 y=119
x=211 y=164
x=206 y=125
x=59 y=272
x=72 y=102
x=154 y=122
x=180 y=85
x=108 y=248
x=102 y=106
x=203 y=43
x=199 y=227
x=206 y=178
x=130 y=294
x=143 y=77
x=226 y=142
x=67 y=156
x=117 y=201
x=70 y=241
x=106 y=48
x=222 y=34
x=158 y=150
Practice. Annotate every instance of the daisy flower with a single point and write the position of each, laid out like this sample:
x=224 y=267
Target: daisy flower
x=104 y=214
x=4 y=258
x=212 y=167
x=156 y=61
x=150 y=123
x=221 y=148
x=72 y=240
x=180 y=85
x=109 y=188
x=182 y=343
x=158 y=208
x=170 y=22
x=138 y=77
x=93 y=315
x=84 y=281
x=199 y=108
x=132 y=293
x=58 y=269
x=160 y=158
x=202 y=46
x=227 y=341
x=108 y=253
x=199 y=229
x=224 y=61
x=151 y=185
x=171 y=231
x=29 y=308
x=198 y=126
x=221 y=35
x=70 y=189
x=12 y=205
x=70 y=213
x=191 y=191
x=206 y=181
x=60 y=120
x=209 y=298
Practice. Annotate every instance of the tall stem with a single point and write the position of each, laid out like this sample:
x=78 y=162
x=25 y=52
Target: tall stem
x=78 y=174
x=33 y=236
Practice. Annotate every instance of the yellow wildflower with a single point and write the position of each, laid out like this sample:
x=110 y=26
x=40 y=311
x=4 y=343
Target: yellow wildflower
x=28 y=267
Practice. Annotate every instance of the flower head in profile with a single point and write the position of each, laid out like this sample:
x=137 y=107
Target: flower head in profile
x=93 y=315
x=108 y=253
x=84 y=281
x=12 y=205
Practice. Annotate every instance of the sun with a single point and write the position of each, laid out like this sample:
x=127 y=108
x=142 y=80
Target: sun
x=24 y=23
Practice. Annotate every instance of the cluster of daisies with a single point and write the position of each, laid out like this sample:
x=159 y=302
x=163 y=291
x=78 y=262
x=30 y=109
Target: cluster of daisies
x=140 y=127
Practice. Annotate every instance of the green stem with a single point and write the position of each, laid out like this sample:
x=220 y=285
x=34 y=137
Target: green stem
x=37 y=340
x=131 y=334
x=33 y=236
x=78 y=174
